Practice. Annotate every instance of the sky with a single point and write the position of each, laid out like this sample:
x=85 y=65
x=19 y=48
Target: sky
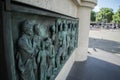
x=114 y=4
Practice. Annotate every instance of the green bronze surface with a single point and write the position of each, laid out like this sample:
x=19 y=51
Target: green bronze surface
x=35 y=43
x=42 y=45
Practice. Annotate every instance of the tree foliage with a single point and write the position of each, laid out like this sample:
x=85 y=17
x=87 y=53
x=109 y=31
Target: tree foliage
x=116 y=17
x=93 y=16
x=104 y=13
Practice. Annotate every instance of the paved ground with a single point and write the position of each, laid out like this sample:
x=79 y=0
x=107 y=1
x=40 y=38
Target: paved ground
x=105 y=45
x=113 y=35
x=103 y=61
x=94 y=69
x=107 y=40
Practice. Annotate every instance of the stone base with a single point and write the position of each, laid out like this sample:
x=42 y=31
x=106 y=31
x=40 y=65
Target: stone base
x=67 y=67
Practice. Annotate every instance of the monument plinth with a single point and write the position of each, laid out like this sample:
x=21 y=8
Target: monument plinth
x=35 y=43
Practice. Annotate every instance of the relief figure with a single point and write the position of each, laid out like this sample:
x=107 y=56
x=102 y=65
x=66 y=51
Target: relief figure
x=43 y=53
x=64 y=36
x=25 y=56
x=51 y=58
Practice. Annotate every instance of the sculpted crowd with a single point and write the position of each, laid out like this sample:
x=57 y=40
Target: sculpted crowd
x=39 y=57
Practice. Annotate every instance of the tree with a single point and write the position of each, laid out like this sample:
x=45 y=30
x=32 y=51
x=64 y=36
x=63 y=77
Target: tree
x=93 y=16
x=105 y=14
x=116 y=17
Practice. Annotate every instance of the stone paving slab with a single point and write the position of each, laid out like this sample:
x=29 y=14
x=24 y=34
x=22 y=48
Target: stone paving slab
x=103 y=61
x=99 y=66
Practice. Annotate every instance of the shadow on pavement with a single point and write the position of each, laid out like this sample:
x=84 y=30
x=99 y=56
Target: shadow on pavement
x=94 y=69
x=106 y=45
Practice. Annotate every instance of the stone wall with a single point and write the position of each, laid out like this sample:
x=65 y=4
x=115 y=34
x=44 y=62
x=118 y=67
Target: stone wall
x=66 y=7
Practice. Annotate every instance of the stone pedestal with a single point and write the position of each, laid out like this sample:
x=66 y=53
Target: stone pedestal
x=84 y=11
x=61 y=8
x=84 y=19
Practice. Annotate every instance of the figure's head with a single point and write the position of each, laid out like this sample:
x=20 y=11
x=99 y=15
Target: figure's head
x=48 y=42
x=58 y=21
x=65 y=26
x=61 y=27
x=37 y=29
x=53 y=28
x=28 y=27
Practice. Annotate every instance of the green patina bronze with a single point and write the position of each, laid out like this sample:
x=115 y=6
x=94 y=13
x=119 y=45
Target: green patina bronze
x=42 y=45
x=35 y=43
